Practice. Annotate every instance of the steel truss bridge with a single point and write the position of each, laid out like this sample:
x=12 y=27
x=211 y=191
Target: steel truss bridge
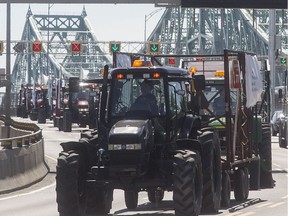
x=180 y=31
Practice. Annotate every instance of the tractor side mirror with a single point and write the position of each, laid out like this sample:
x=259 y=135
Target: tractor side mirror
x=199 y=82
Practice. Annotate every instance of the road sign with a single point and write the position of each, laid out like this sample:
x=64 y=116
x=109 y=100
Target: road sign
x=154 y=47
x=283 y=60
x=114 y=46
x=36 y=46
x=1 y=47
x=76 y=47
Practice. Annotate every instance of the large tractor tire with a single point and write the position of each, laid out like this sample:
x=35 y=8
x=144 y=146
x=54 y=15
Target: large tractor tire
x=67 y=121
x=60 y=124
x=34 y=115
x=42 y=115
x=70 y=187
x=187 y=183
x=131 y=199
x=241 y=184
x=226 y=190
x=212 y=171
x=19 y=111
x=254 y=170
x=55 y=121
x=99 y=201
x=265 y=152
x=155 y=196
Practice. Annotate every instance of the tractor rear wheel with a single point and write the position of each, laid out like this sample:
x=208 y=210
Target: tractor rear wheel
x=265 y=152
x=187 y=183
x=131 y=199
x=155 y=196
x=42 y=115
x=99 y=201
x=70 y=187
x=241 y=184
x=67 y=121
x=226 y=190
x=212 y=171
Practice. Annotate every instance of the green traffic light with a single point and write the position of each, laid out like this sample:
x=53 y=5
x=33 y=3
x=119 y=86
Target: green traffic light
x=283 y=60
x=115 y=47
x=154 y=47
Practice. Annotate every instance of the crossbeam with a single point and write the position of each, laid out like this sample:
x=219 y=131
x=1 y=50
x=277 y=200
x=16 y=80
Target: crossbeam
x=256 y=4
x=159 y=3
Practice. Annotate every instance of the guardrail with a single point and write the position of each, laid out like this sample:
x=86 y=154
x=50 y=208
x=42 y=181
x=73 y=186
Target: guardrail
x=18 y=134
x=22 y=158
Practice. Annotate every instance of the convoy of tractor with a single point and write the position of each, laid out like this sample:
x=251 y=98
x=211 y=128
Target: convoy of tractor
x=157 y=129
x=200 y=131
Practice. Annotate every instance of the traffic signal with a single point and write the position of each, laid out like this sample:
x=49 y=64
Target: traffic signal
x=76 y=47
x=36 y=46
x=1 y=47
x=154 y=47
x=283 y=60
x=114 y=46
x=172 y=61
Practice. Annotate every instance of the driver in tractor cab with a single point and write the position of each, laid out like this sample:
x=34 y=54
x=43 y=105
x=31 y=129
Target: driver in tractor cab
x=147 y=99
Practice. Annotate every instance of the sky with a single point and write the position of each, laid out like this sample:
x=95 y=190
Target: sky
x=120 y=22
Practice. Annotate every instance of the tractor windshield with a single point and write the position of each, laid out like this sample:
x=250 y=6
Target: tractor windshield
x=137 y=95
x=216 y=97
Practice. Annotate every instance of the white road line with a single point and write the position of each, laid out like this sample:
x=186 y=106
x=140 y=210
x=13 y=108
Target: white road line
x=235 y=214
x=34 y=191
x=247 y=214
x=277 y=165
x=285 y=197
x=264 y=204
x=31 y=192
x=276 y=204
x=51 y=158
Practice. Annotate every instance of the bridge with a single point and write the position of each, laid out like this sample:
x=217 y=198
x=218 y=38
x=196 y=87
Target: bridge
x=242 y=29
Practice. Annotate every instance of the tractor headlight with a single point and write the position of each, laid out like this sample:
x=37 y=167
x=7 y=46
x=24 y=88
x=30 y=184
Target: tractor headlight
x=83 y=110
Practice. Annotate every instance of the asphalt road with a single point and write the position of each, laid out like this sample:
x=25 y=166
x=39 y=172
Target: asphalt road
x=40 y=199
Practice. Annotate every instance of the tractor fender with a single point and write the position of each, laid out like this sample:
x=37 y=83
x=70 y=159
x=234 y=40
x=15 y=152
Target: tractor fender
x=187 y=136
x=190 y=127
x=83 y=147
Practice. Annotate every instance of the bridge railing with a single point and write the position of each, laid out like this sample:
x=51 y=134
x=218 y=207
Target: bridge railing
x=22 y=158
x=18 y=134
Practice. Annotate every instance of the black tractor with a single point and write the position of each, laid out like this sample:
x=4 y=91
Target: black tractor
x=146 y=140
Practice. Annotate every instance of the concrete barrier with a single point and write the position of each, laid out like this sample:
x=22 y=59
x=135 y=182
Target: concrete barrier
x=21 y=165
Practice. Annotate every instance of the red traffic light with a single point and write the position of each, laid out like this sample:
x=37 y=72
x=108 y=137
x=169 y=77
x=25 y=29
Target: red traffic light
x=37 y=46
x=76 y=47
x=171 y=61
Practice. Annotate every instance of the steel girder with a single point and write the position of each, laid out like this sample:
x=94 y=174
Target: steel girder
x=56 y=60
x=180 y=31
x=209 y=31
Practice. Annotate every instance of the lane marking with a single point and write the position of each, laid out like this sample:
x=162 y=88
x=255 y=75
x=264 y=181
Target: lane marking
x=285 y=197
x=28 y=193
x=264 y=204
x=277 y=165
x=247 y=214
x=276 y=204
x=235 y=213
x=51 y=158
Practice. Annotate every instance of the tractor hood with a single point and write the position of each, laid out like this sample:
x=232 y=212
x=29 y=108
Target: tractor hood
x=136 y=132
